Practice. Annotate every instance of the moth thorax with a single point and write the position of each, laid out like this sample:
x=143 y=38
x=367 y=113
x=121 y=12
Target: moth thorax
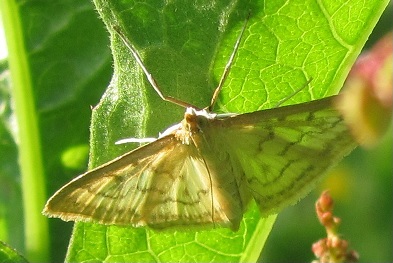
x=192 y=124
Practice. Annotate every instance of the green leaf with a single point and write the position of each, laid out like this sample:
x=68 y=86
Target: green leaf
x=9 y=255
x=186 y=47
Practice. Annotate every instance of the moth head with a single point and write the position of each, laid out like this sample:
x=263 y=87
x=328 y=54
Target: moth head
x=195 y=120
x=193 y=123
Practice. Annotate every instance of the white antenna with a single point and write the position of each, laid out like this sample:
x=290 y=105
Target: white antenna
x=154 y=84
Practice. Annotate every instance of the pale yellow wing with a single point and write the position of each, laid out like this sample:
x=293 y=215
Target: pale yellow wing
x=162 y=184
x=285 y=151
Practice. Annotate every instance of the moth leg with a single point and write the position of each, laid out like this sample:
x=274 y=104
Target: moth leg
x=148 y=75
x=227 y=67
x=136 y=140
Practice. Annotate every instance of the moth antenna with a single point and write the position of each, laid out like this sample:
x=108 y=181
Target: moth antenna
x=293 y=94
x=228 y=66
x=148 y=75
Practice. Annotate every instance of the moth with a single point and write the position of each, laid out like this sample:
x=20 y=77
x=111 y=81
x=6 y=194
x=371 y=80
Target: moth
x=205 y=170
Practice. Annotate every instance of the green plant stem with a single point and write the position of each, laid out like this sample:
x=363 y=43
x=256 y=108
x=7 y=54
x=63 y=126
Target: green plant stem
x=258 y=239
x=30 y=159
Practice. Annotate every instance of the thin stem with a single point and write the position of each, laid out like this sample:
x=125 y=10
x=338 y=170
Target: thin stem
x=30 y=159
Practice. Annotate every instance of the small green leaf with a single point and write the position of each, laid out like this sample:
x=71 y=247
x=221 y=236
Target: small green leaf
x=9 y=255
x=75 y=157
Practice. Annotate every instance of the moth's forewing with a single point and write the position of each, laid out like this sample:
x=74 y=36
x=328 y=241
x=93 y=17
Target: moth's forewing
x=86 y=196
x=162 y=184
x=285 y=151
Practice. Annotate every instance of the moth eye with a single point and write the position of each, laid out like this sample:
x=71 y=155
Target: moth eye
x=201 y=122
